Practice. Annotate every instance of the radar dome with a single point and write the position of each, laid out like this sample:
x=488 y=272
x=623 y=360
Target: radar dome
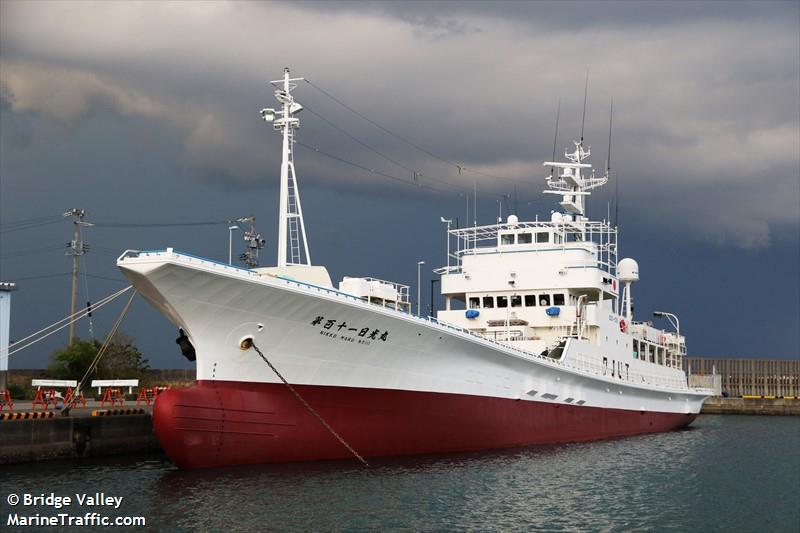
x=556 y=217
x=628 y=270
x=512 y=219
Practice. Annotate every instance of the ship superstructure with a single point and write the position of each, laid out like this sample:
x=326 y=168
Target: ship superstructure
x=552 y=287
x=534 y=345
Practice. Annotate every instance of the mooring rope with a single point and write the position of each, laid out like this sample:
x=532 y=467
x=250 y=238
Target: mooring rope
x=305 y=403
x=65 y=410
x=26 y=341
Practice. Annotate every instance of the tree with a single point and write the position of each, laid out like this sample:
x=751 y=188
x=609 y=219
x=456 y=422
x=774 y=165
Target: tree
x=122 y=360
x=72 y=361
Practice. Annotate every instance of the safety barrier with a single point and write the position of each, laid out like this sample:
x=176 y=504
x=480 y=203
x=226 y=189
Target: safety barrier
x=117 y=412
x=113 y=396
x=28 y=415
x=147 y=395
x=5 y=399
x=79 y=399
x=44 y=397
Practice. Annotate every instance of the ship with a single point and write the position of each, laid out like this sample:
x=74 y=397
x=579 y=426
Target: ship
x=536 y=343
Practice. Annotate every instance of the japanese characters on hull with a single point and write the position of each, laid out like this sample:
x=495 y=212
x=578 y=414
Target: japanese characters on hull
x=360 y=335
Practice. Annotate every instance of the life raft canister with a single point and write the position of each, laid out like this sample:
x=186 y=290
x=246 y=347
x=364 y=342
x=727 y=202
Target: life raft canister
x=623 y=326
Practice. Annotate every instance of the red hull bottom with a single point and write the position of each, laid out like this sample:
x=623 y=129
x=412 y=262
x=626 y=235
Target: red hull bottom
x=219 y=423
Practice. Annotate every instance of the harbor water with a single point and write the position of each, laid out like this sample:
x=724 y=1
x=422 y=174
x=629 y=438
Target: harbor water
x=724 y=473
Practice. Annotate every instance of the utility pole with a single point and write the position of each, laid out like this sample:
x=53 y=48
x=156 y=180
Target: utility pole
x=75 y=248
x=254 y=243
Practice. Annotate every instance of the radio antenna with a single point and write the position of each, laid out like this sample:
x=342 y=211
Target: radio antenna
x=610 y=121
x=585 y=93
x=616 y=199
x=555 y=136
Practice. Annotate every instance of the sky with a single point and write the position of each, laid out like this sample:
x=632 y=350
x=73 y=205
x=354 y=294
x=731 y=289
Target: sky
x=148 y=113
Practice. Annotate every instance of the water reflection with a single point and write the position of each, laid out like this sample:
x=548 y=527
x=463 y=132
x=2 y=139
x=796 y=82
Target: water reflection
x=718 y=476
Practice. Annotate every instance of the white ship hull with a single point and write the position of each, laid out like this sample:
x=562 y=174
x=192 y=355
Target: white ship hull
x=323 y=340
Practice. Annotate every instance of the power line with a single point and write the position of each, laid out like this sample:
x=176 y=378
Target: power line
x=29 y=278
x=30 y=220
x=157 y=224
x=32 y=251
x=28 y=224
x=61 y=274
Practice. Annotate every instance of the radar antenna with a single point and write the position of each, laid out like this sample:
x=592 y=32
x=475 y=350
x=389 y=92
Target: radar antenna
x=291 y=228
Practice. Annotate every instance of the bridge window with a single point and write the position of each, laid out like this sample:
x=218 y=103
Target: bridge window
x=502 y=301
x=488 y=302
x=524 y=238
x=557 y=238
x=516 y=301
x=542 y=236
x=635 y=349
x=530 y=300
x=558 y=299
x=544 y=299
x=507 y=238
x=474 y=303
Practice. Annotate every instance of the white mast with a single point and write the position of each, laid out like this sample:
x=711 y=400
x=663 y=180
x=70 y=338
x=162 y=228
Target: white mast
x=571 y=182
x=290 y=219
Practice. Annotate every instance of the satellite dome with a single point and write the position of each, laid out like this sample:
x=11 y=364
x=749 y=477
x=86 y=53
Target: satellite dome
x=556 y=217
x=512 y=219
x=628 y=270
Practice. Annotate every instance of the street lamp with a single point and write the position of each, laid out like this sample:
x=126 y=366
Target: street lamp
x=419 y=275
x=230 y=242
x=677 y=325
x=672 y=320
x=447 y=221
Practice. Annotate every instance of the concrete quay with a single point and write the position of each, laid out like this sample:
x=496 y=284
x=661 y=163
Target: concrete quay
x=79 y=434
x=751 y=406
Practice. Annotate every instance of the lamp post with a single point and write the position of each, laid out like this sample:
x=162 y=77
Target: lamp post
x=419 y=287
x=447 y=221
x=672 y=320
x=230 y=242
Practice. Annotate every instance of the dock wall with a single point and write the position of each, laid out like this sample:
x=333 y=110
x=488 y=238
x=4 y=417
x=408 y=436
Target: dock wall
x=751 y=406
x=75 y=436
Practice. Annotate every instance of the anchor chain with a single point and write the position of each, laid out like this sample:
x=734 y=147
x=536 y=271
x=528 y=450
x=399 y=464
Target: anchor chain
x=305 y=403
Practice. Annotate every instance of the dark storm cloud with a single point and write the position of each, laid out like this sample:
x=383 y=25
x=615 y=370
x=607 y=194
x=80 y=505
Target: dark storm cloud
x=705 y=97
